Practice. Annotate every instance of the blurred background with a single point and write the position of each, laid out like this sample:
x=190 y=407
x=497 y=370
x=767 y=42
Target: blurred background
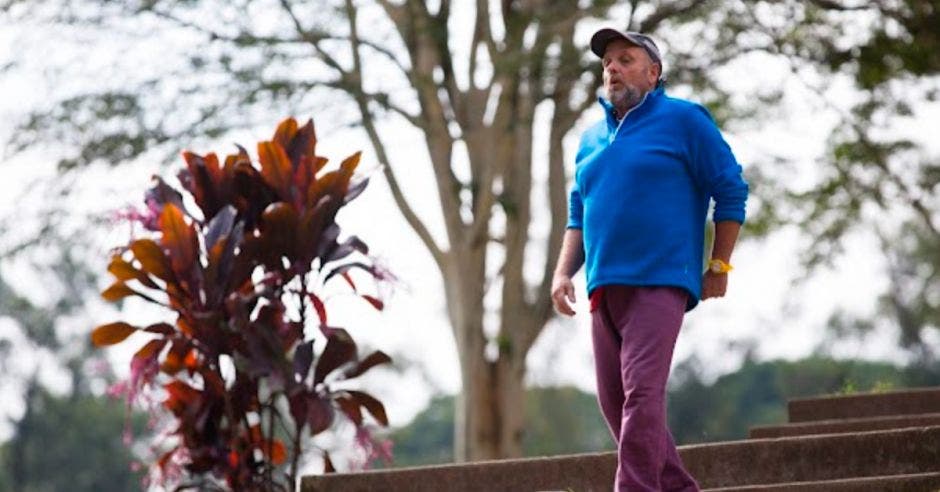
x=468 y=114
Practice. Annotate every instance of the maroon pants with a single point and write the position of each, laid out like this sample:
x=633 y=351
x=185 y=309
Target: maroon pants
x=634 y=331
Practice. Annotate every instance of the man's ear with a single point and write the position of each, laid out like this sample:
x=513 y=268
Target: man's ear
x=655 y=72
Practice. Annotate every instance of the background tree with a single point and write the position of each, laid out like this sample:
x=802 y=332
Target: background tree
x=878 y=176
x=565 y=420
x=70 y=442
x=478 y=101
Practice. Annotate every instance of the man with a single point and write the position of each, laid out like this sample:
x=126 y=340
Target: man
x=643 y=183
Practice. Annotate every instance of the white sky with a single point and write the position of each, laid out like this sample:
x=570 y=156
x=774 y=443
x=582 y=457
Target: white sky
x=761 y=309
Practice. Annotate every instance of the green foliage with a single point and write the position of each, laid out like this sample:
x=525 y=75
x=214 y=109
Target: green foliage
x=69 y=443
x=559 y=420
x=429 y=438
x=238 y=277
x=563 y=420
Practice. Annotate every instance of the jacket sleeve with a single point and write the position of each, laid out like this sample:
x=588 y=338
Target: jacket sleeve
x=575 y=207
x=715 y=168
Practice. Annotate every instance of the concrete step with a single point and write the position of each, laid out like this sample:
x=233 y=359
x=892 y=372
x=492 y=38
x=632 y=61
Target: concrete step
x=840 y=426
x=730 y=464
x=592 y=472
x=919 y=482
x=815 y=458
x=904 y=402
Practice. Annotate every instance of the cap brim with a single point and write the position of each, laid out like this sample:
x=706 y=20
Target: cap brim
x=603 y=37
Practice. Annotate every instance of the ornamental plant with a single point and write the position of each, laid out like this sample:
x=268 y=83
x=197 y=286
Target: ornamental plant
x=248 y=365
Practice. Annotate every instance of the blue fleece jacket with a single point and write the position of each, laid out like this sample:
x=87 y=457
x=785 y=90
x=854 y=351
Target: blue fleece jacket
x=642 y=190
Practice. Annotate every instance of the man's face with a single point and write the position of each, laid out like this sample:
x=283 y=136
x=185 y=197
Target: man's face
x=629 y=73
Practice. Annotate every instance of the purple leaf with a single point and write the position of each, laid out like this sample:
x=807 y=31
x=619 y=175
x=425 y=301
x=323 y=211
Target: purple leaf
x=340 y=349
x=220 y=225
x=355 y=190
x=303 y=357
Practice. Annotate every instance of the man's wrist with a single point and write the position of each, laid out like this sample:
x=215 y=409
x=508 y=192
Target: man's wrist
x=719 y=266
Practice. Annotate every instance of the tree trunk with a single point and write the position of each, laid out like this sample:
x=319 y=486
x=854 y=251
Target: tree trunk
x=489 y=414
x=489 y=410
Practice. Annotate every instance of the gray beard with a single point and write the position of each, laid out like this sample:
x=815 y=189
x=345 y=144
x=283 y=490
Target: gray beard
x=625 y=99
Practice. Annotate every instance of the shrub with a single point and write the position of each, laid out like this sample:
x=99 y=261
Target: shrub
x=242 y=277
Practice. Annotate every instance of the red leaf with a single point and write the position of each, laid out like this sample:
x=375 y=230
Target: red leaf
x=180 y=396
x=117 y=291
x=184 y=326
x=340 y=349
x=349 y=280
x=174 y=359
x=277 y=450
x=180 y=239
x=285 y=132
x=151 y=257
x=378 y=304
x=212 y=166
x=160 y=328
x=298 y=408
x=374 y=359
x=318 y=163
x=191 y=361
x=374 y=406
x=310 y=229
x=164 y=459
x=120 y=290
x=349 y=165
x=122 y=270
x=111 y=333
x=350 y=407
x=254 y=435
x=202 y=181
x=279 y=229
x=214 y=382
x=151 y=349
x=323 y=186
x=320 y=307
x=304 y=143
x=319 y=414
x=328 y=463
x=275 y=168
x=303 y=176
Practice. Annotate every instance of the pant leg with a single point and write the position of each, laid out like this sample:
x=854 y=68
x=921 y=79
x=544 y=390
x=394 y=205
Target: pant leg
x=648 y=320
x=606 y=343
x=675 y=478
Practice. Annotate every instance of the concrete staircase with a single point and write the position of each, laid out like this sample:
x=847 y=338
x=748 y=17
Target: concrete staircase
x=867 y=442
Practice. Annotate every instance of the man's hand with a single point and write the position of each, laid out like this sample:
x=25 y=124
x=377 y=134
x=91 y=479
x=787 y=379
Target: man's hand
x=714 y=284
x=562 y=294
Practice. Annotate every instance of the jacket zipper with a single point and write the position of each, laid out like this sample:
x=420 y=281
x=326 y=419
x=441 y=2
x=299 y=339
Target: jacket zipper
x=613 y=136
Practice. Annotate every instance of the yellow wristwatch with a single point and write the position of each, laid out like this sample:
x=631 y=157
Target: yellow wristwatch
x=719 y=266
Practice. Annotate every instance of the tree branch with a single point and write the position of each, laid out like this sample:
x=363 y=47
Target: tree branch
x=367 y=120
x=666 y=11
x=312 y=39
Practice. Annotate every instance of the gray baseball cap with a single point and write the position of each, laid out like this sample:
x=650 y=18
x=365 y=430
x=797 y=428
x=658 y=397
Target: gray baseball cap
x=603 y=37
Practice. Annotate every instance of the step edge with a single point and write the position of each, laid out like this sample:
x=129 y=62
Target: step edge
x=816 y=437
x=886 y=394
x=860 y=420
x=850 y=480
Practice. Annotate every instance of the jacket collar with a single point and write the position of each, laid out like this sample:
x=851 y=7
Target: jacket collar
x=642 y=106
